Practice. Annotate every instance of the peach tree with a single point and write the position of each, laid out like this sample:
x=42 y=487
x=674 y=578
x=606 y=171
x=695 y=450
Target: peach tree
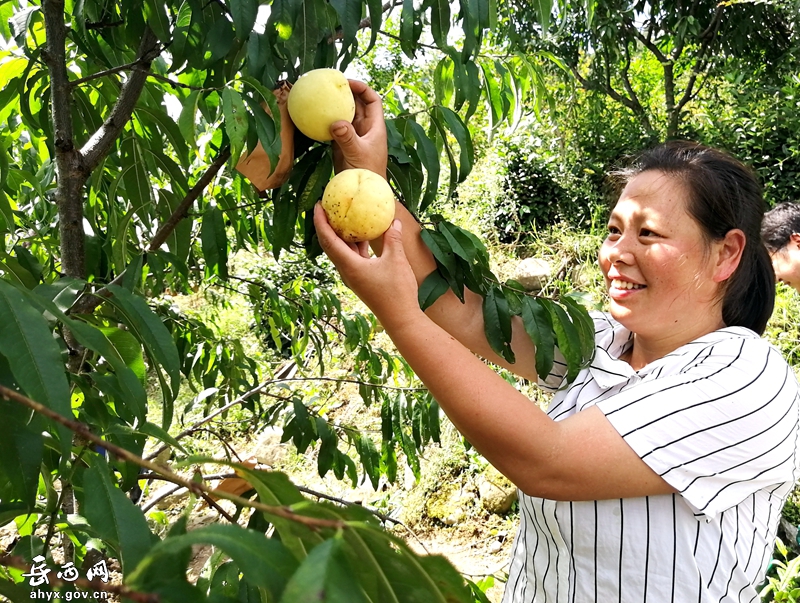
x=123 y=121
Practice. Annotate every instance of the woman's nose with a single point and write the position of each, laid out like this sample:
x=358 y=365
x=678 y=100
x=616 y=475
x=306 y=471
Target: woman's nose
x=619 y=251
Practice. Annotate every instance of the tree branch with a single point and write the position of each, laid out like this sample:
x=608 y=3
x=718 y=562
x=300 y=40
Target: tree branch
x=99 y=145
x=180 y=212
x=55 y=58
x=626 y=82
x=259 y=389
x=646 y=42
x=104 y=73
x=198 y=488
x=90 y=300
x=709 y=36
x=70 y=177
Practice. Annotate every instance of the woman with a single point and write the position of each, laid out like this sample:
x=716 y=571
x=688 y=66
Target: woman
x=659 y=474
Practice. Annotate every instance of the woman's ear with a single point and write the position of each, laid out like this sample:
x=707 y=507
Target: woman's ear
x=728 y=254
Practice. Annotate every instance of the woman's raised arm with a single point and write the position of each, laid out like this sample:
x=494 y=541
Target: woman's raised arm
x=363 y=144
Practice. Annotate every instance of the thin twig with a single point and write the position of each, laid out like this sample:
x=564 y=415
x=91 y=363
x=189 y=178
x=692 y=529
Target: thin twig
x=152 y=503
x=213 y=504
x=197 y=488
x=121 y=590
x=243 y=398
x=51 y=527
x=101 y=74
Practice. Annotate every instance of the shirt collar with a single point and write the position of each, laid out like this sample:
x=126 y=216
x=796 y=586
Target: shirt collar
x=608 y=370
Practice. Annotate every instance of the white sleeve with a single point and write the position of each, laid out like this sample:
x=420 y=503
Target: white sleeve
x=723 y=427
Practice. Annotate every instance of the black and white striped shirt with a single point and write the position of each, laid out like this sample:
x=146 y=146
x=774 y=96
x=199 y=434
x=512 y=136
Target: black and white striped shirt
x=718 y=420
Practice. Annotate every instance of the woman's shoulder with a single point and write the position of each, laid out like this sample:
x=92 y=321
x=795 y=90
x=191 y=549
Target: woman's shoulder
x=739 y=342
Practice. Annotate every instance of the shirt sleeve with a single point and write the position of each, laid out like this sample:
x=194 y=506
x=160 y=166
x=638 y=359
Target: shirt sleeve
x=718 y=430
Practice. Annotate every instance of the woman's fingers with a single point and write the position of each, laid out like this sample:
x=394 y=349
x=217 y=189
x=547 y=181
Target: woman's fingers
x=369 y=107
x=334 y=246
x=361 y=143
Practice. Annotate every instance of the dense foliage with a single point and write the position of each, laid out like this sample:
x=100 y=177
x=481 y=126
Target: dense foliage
x=122 y=125
x=123 y=121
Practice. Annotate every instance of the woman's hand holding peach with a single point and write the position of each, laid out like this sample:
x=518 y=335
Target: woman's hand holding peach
x=385 y=282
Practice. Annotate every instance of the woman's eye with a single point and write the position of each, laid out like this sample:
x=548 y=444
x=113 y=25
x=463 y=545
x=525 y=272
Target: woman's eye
x=645 y=232
x=613 y=230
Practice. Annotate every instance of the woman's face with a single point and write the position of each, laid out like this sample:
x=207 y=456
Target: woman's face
x=656 y=262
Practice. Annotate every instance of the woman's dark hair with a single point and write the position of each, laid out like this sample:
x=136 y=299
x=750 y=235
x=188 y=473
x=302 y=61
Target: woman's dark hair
x=723 y=194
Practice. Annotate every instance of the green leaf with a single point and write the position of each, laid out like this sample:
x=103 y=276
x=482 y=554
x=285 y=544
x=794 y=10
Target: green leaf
x=314 y=186
x=324 y=575
x=567 y=338
x=17 y=592
x=408 y=16
x=443 y=84
x=6 y=12
x=155 y=14
x=235 y=121
x=440 y=22
x=376 y=18
x=437 y=123
x=186 y=120
x=138 y=190
x=430 y=161
x=123 y=353
x=267 y=127
x=389 y=460
x=461 y=133
x=275 y=488
x=493 y=96
x=312 y=16
x=284 y=220
x=390 y=572
x=471 y=26
x=264 y=562
x=349 y=12
x=539 y=327
x=129 y=349
x=406 y=443
x=111 y=513
x=431 y=289
x=172 y=131
x=544 y=9
x=497 y=323
x=147 y=327
x=214 y=241
x=33 y=356
x=244 y=14
x=387 y=429
x=584 y=324
x=327 y=448
x=20 y=454
x=462 y=245
x=370 y=459
x=219 y=40
x=472 y=88
x=14 y=272
x=154 y=431
x=440 y=248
